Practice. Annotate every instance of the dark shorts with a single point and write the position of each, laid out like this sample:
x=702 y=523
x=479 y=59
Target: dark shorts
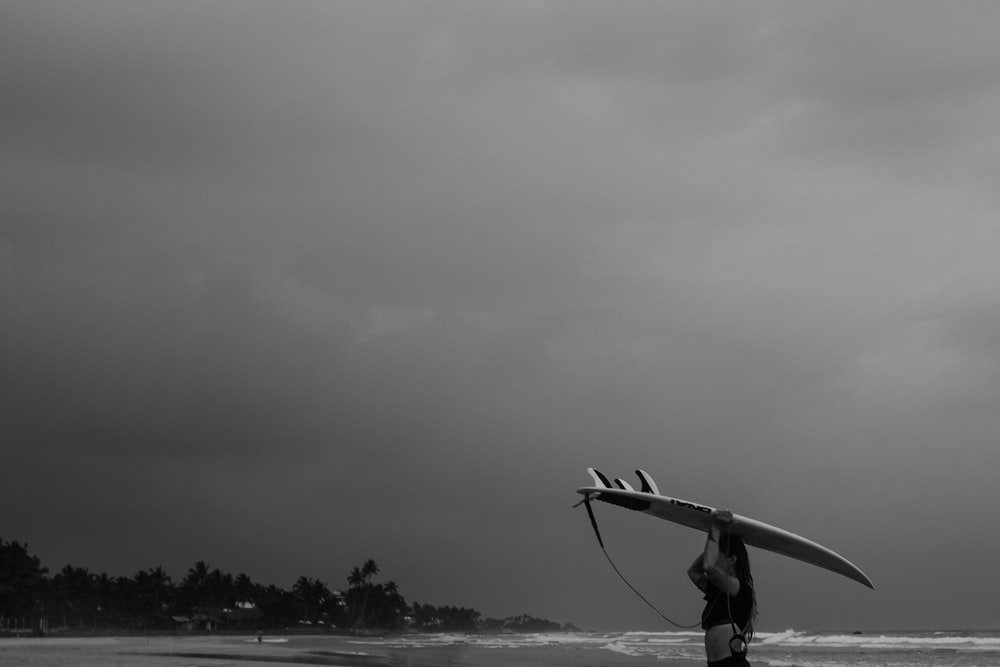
x=731 y=661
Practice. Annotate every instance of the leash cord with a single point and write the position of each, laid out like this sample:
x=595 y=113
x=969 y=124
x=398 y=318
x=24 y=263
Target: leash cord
x=593 y=522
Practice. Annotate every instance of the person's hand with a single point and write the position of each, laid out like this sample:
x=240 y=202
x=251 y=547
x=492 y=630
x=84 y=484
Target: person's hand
x=722 y=517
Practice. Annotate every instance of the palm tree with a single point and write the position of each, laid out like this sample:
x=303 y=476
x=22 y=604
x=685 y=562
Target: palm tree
x=301 y=589
x=195 y=588
x=22 y=579
x=105 y=597
x=392 y=606
x=130 y=599
x=160 y=584
x=152 y=588
x=277 y=605
x=369 y=569
x=312 y=594
x=225 y=589
x=75 y=591
x=321 y=595
x=360 y=577
x=356 y=580
x=244 y=588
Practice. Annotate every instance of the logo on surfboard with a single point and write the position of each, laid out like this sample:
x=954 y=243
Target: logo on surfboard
x=691 y=506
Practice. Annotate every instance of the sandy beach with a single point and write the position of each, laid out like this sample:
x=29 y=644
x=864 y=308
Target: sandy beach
x=153 y=652
x=971 y=648
x=230 y=650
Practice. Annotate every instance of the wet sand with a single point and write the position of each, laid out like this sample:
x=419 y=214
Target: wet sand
x=159 y=652
x=218 y=651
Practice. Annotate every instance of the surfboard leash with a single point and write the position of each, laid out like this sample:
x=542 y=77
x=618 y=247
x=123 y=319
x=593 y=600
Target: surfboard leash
x=597 y=532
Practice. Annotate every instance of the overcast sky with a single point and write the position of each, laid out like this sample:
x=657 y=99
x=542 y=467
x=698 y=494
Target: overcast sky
x=286 y=286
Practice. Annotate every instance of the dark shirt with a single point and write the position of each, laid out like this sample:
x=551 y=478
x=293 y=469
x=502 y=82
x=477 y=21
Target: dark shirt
x=717 y=611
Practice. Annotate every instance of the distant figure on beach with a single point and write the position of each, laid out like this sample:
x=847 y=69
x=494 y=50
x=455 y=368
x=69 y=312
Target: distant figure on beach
x=260 y=636
x=722 y=573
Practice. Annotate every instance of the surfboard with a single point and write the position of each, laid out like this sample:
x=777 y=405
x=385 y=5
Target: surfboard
x=695 y=515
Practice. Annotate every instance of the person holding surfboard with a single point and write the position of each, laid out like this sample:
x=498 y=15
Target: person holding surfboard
x=722 y=573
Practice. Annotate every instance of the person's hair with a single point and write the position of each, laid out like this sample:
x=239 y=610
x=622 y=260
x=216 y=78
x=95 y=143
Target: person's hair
x=731 y=545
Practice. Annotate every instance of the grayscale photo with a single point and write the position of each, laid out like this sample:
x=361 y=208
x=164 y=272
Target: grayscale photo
x=551 y=333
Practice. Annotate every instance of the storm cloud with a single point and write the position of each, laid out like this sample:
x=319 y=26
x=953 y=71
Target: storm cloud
x=287 y=287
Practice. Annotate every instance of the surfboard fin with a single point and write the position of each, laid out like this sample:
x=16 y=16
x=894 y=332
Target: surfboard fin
x=648 y=485
x=599 y=478
x=623 y=485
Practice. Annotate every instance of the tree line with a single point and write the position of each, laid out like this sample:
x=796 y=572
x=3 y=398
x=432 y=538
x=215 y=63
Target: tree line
x=210 y=599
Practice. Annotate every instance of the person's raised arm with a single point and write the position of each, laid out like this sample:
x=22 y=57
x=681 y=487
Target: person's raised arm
x=713 y=570
x=697 y=573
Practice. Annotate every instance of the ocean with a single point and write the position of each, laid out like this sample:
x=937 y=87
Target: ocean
x=790 y=648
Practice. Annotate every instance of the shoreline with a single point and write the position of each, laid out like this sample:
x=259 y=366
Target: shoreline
x=622 y=649
x=337 y=650
x=76 y=633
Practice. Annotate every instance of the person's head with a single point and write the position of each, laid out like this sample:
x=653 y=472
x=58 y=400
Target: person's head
x=733 y=551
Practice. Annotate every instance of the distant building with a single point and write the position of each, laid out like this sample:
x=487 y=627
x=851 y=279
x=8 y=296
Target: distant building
x=245 y=615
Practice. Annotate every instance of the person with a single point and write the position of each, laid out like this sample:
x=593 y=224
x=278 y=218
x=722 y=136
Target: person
x=722 y=573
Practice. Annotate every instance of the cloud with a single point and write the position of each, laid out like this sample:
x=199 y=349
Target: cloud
x=405 y=271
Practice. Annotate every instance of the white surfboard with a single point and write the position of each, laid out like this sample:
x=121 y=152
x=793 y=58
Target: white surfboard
x=698 y=516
